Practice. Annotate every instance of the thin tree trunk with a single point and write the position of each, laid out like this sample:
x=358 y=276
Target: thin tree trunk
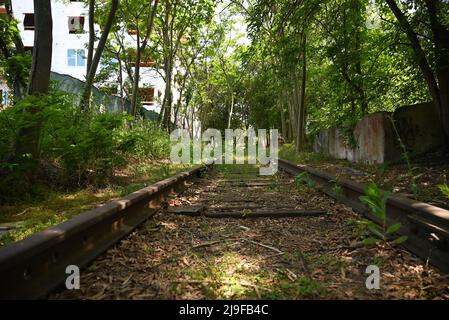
x=140 y=48
x=85 y=102
x=136 y=78
x=420 y=56
x=441 y=40
x=283 y=124
x=297 y=95
x=231 y=111
x=292 y=116
x=120 y=82
x=303 y=93
x=168 y=99
x=28 y=137
x=90 y=48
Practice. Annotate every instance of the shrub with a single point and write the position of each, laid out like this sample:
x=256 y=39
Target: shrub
x=376 y=200
x=85 y=148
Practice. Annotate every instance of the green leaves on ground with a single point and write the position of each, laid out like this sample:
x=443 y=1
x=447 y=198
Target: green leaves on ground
x=304 y=178
x=444 y=188
x=376 y=200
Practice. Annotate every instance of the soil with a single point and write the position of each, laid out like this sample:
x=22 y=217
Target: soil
x=427 y=173
x=174 y=256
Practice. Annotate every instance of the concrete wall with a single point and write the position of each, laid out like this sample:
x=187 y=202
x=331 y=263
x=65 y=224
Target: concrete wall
x=369 y=135
x=376 y=138
x=419 y=128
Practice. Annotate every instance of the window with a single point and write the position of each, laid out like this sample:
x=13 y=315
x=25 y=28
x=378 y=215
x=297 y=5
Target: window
x=147 y=96
x=76 y=24
x=28 y=21
x=76 y=58
x=145 y=61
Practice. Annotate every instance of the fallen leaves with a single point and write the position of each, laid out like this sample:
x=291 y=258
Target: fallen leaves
x=182 y=257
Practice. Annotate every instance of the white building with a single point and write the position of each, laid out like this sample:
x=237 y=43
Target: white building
x=70 y=38
x=4 y=97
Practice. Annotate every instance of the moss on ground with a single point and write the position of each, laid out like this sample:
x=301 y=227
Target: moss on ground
x=53 y=207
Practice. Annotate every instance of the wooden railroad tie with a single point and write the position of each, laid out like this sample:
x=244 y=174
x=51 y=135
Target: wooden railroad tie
x=246 y=213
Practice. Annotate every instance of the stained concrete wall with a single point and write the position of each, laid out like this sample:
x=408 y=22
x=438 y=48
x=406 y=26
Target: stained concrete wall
x=369 y=135
x=377 y=140
x=419 y=128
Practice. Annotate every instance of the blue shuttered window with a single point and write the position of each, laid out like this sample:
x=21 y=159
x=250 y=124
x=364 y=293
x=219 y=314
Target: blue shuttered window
x=76 y=57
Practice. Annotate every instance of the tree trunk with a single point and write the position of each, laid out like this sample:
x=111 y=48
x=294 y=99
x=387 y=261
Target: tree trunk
x=231 y=111
x=300 y=90
x=168 y=98
x=28 y=137
x=303 y=93
x=442 y=107
x=136 y=78
x=85 y=102
x=283 y=124
x=140 y=48
x=120 y=82
x=441 y=40
x=90 y=47
x=291 y=116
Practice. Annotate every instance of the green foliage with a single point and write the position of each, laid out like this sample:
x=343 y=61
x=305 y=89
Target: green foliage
x=352 y=69
x=336 y=186
x=76 y=149
x=304 y=178
x=376 y=200
x=287 y=152
x=17 y=67
x=444 y=188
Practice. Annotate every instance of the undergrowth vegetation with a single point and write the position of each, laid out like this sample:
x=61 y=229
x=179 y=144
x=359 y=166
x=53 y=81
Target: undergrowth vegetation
x=76 y=149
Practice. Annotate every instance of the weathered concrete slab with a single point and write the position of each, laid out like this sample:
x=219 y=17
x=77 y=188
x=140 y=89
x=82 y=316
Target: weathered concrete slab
x=376 y=139
x=369 y=135
x=418 y=128
x=321 y=142
x=337 y=145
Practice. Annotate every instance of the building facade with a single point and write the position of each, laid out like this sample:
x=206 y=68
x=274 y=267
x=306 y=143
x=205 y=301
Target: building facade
x=70 y=39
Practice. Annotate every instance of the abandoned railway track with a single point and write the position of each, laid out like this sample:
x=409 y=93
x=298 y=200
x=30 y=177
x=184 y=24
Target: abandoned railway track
x=230 y=234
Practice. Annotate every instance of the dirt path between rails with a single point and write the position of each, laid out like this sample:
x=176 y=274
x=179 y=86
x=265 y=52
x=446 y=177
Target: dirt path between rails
x=175 y=256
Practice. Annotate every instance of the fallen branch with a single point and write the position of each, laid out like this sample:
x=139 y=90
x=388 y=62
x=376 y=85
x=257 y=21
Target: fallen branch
x=264 y=245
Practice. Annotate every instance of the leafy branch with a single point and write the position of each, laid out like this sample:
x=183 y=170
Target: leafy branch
x=376 y=200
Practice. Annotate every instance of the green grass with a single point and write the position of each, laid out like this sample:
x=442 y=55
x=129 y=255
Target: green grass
x=287 y=152
x=54 y=207
x=233 y=276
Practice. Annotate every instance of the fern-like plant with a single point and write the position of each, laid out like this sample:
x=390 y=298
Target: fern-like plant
x=303 y=178
x=376 y=200
x=444 y=188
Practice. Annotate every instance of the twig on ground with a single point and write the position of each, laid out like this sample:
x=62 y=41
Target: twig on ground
x=264 y=245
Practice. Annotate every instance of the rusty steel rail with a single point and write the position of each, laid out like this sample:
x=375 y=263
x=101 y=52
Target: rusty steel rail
x=32 y=267
x=426 y=226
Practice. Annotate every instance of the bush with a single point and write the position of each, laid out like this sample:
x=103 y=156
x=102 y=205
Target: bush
x=143 y=140
x=85 y=148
